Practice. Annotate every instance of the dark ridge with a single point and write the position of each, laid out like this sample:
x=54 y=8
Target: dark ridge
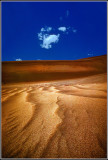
x=36 y=71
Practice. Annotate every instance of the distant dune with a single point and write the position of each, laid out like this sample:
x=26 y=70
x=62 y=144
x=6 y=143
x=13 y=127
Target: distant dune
x=54 y=109
x=36 y=71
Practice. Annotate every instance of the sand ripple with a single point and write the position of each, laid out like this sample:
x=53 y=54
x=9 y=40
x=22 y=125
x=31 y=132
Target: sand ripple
x=55 y=120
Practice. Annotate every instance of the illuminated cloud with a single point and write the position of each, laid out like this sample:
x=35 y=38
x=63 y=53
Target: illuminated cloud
x=90 y=54
x=18 y=59
x=46 y=29
x=40 y=36
x=49 y=29
x=63 y=29
x=42 y=29
x=48 y=40
x=48 y=35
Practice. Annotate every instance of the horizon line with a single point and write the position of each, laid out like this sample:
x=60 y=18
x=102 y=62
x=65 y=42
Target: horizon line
x=56 y=60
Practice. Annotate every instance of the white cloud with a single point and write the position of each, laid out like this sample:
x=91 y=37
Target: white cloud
x=46 y=29
x=48 y=37
x=49 y=29
x=18 y=59
x=40 y=36
x=63 y=29
x=90 y=54
x=42 y=29
x=48 y=40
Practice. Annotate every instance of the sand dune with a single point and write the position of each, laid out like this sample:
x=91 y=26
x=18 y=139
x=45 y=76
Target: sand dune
x=41 y=71
x=57 y=119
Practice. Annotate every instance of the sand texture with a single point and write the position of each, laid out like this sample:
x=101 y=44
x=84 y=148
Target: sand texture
x=55 y=119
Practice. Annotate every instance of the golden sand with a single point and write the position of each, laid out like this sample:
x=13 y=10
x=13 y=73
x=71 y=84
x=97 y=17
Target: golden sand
x=55 y=120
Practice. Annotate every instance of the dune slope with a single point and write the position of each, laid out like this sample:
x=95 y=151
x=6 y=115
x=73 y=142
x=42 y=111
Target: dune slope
x=36 y=71
x=58 y=119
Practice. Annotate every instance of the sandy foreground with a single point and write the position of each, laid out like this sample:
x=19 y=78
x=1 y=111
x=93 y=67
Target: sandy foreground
x=54 y=109
x=61 y=119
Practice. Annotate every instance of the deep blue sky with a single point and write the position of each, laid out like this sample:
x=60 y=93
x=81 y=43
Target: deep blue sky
x=21 y=21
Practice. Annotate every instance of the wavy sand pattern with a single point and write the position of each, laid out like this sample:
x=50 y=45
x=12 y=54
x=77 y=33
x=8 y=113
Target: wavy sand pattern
x=59 y=119
x=55 y=120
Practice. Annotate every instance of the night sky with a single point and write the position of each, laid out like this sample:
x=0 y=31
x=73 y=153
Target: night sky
x=53 y=30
